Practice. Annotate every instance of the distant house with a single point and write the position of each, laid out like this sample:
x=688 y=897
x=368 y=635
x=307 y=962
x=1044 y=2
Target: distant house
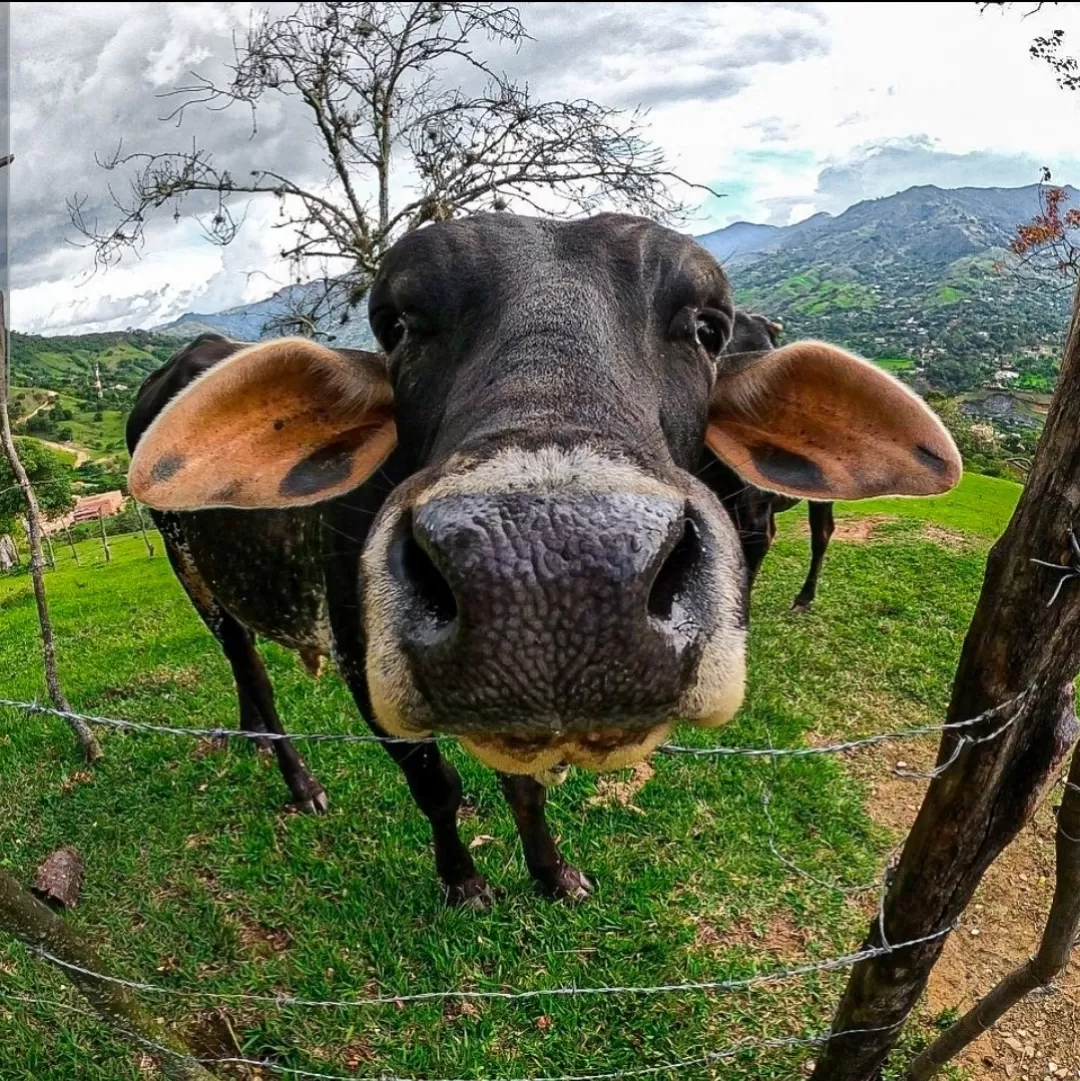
x=88 y=508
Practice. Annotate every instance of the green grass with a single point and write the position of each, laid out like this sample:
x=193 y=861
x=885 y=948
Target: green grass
x=196 y=880
x=896 y=364
x=946 y=295
x=978 y=505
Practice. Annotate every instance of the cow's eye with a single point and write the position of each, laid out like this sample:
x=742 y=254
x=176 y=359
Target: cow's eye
x=389 y=327
x=712 y=331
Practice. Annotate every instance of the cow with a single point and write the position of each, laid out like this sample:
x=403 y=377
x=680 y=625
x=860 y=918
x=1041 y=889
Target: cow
x=494 y=527
x=753 y=510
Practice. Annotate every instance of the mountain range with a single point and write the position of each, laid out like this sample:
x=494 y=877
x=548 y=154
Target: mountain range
x=923 y=274
x=919 y=280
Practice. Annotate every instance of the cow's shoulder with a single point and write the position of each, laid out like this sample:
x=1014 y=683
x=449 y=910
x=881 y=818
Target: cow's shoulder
x=176 y=373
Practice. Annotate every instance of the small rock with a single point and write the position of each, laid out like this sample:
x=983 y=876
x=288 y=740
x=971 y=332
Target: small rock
x=1014 y=1043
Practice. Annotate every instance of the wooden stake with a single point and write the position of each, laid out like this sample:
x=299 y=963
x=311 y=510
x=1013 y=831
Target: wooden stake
x=104 y=538
x=1024 y=636
x=91 y=747
x=142 y=527
x=71 y=542
x=1059 y=936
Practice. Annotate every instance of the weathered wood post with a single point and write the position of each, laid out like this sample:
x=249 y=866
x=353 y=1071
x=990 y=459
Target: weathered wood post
x=87 y=739
x=71 y=543
x=142 y=526
x=52 y=554
x=1017 y=642
x=25 y=917
x=104 y=538
x=1051 y=958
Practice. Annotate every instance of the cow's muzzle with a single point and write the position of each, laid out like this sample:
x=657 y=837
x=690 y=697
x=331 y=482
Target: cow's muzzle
x=538 y=614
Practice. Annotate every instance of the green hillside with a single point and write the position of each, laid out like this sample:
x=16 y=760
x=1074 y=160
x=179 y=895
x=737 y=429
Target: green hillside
x=55 y=393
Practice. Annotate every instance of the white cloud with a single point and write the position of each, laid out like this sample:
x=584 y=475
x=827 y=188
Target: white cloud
x=790 y=108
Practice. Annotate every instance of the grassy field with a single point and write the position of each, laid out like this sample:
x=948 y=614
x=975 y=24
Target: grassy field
x=197 y=880
x=895 y=364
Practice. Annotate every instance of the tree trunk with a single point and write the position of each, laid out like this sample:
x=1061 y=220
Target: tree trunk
x=30 y=921
x=1059 y=937
x=976 y=807
x=86 y=738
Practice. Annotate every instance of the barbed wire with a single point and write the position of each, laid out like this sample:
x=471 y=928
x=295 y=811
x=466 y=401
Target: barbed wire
x=705 y=1059
x=218 y=733
x=289 y=1001
x=286 y=1001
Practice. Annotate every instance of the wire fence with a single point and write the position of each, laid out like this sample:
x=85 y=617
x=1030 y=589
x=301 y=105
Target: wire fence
x=1008 y=711
x=987 y=726
x=708 y=1058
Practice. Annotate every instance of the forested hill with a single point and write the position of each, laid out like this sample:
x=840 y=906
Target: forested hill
x=924 y=274
x=78 y=389
x=920 y=280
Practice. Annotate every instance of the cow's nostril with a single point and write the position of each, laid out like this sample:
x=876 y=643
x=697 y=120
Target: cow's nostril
x=673 y=578
x=426 y=581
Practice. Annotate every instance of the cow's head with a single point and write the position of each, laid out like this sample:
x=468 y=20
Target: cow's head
x=551 y=582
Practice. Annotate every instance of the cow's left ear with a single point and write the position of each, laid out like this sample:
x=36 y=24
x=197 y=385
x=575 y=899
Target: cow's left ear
x=284 y=423
x=814 y=421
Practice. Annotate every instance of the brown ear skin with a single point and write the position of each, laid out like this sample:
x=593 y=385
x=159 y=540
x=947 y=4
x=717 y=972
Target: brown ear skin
x=285 y=423
x=813 y=421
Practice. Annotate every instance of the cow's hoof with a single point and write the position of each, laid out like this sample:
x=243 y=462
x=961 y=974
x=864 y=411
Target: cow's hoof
x=569 y=884
x=799 y=605
x=475 y=893
x=316 y=804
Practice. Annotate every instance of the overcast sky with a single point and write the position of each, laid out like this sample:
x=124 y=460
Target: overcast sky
x=787 y=108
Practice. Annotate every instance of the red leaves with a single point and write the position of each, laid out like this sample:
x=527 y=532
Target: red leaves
x=1049 y=235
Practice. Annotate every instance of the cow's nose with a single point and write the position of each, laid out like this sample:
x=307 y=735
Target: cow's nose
x=548 y=607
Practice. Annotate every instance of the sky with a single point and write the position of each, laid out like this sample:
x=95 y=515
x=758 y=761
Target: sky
x=786 y=109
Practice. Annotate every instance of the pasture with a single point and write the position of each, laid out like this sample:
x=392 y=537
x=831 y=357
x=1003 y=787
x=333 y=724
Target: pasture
x=198 y=879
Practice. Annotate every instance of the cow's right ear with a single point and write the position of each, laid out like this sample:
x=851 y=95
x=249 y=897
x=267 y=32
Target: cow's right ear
x=284 y=423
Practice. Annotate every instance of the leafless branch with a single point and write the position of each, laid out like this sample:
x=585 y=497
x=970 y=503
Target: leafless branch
x=372 y=80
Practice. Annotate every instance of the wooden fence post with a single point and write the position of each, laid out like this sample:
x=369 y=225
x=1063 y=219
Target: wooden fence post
x=71 y=543
x=142 y=527
x=52 y=554
x=1040 y=970
x=25 y=917
x=1024 y=637
x=87 y=739
x=104 y=538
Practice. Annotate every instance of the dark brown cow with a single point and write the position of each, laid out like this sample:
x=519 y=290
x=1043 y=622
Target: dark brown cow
x=753 y=510
x=495 y=529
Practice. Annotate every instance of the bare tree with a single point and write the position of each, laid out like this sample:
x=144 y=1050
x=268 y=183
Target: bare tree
x=374 y=80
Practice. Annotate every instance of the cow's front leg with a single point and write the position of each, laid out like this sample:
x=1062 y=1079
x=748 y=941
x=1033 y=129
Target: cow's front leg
x=436 y=787
x=555 y=876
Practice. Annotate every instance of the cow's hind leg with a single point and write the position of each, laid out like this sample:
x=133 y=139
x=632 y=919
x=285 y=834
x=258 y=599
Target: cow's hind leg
x=257 y=698
x=551 y=872
x=822 y=525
